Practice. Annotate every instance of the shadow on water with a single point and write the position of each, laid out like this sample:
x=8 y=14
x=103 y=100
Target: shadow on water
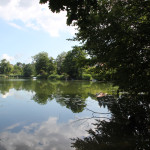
x=128 y=128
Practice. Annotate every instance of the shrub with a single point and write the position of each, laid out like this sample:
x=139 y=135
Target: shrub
x=54 y=77
x=62 y=77
x=2 y=75
x=58 y=77
x=86 y=77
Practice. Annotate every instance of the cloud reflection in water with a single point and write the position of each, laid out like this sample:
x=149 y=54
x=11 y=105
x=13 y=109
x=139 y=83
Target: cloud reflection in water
x=48 y=135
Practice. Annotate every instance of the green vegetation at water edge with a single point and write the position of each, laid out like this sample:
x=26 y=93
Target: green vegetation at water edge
x=73 y=65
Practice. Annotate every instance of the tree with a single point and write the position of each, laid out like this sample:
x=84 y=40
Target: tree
x=76 y=10
x=20 y=64
x=17 y=69
x=5 y=67
x=127 y=129
x=114 y=33
x=59 y=60
x=74 y=62
x=41 y=61
x=52 y=66
x=43 y=64
x=27 y=70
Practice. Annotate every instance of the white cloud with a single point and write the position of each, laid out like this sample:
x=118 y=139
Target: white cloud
x=13 y=126
x=4 y=2
x=49 y=135
x=28 y=60
x=13 y=59
x=15 y=25
x=6 y=95
x=7 y=57
x=16 y=58
x=33 y=15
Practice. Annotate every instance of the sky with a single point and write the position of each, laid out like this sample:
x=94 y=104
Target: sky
x=27 y=28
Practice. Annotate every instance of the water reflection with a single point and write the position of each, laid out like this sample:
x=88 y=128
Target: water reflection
x=44 y=115
x=47 y=121
x=69 y=94
x=48 y=135
x=128 y=129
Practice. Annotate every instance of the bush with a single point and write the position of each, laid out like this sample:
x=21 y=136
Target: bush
x=86 y=77
x=53 y=77
x=42 y=75
x=62 y=77
x=57 y=77
x=2 y=75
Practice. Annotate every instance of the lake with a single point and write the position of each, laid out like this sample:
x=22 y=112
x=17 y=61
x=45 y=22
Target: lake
x=45 y=115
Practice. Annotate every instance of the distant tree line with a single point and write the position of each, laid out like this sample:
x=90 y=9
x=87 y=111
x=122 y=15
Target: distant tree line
x=19 y=69
x=74 y=64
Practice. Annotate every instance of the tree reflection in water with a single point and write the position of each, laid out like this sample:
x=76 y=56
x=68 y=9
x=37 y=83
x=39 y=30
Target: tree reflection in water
x=128 y=129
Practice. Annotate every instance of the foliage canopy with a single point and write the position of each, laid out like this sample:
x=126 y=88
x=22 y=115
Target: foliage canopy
x=73 y=63
x=115 y=33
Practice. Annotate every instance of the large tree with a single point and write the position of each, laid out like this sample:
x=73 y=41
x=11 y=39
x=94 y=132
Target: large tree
x=41 y=61
x=5 y=67
x=59 y=61
x=127 y=129
x=28 y=70
x=18 y=69
x=115 y=33
x=73 y=63
x=43 y=64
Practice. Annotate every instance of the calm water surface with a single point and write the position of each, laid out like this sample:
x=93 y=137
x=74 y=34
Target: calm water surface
x=44 y=115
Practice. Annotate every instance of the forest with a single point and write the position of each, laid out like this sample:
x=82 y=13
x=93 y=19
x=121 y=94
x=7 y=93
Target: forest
x=71 y=65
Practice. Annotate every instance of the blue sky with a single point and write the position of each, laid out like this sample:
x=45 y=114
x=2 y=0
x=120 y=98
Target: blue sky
x=27 y=28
